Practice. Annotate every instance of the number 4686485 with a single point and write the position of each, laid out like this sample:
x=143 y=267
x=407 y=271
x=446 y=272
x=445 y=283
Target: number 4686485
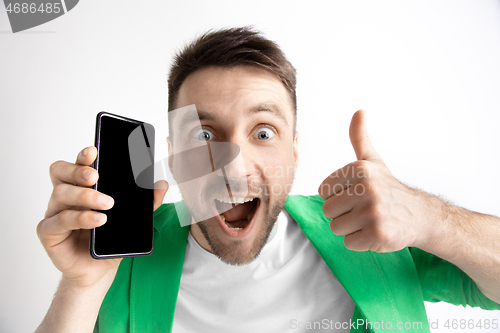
x=471 y=324
x=32 y=8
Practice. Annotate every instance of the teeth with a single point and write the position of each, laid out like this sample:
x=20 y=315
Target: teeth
x=224 y=219
x=234 y=200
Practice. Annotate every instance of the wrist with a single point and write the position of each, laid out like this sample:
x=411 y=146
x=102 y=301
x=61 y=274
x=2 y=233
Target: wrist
x=75 y=306
x=80 y=287
x=435 y=224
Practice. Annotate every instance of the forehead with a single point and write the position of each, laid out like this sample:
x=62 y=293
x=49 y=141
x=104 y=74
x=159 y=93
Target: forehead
x=229 y=91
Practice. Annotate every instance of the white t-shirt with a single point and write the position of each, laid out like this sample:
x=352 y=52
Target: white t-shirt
x=287 y=288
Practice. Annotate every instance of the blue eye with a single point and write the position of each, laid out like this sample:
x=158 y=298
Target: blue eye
x=264 y=133
x=203 y=135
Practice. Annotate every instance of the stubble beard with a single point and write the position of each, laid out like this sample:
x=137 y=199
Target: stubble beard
x=233 y=253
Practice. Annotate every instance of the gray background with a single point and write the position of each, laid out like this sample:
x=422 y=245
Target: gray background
x=427 y=72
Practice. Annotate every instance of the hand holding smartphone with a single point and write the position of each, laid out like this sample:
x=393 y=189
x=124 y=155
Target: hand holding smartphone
x=71 y=212
x=128 y=231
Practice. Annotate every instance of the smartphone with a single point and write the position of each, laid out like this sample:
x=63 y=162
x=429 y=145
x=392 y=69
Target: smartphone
x=125 y=163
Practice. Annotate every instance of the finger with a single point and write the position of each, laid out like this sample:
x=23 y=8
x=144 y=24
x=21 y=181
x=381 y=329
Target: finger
x=359 y=138
x=86 y=156
x=54 y=230
x=62 y=172
x=346 y=224
x=343 y=178
x=160 y=189
x=65 y=196
x=79 y=173
x=338 y=204
x=357 y=241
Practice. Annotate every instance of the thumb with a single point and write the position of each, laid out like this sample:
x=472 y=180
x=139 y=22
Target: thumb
x=160 y=189
x=359 y=138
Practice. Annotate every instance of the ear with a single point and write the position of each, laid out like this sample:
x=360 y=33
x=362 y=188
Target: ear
x=296 y=148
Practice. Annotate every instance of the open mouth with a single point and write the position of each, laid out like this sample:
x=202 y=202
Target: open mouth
x=236 y=212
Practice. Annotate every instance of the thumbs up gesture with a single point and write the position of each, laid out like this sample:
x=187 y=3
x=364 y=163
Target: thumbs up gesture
x=367 y=205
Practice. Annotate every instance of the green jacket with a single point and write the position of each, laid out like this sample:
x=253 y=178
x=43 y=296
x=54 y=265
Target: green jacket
x=388 y=287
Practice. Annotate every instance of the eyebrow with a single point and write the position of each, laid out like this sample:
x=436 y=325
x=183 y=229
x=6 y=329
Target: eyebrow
x=201 y=115
x=196 y=117
x=272 y=108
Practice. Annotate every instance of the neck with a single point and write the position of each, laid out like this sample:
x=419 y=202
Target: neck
x=198 y=236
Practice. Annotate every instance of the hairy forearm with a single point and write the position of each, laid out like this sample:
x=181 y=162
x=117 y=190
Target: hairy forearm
x=74 y=309
x=468 y=239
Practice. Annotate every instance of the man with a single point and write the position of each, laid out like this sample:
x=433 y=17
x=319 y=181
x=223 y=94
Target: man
x=273 y=262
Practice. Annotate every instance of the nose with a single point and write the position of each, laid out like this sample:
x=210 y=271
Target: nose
x=233 y=159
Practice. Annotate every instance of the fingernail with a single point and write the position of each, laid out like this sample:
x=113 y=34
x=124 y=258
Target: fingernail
x=105 y=200
x=97 y=217
x=87 y=174
x=85 y=151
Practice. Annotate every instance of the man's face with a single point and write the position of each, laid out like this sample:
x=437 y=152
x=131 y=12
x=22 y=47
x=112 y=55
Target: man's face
x=251 y=108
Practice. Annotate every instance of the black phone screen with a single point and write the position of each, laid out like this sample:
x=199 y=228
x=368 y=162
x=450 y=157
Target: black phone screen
x=128 y=230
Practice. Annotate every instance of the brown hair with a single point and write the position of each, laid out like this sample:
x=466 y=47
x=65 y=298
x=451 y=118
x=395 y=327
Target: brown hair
x=228 y=48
